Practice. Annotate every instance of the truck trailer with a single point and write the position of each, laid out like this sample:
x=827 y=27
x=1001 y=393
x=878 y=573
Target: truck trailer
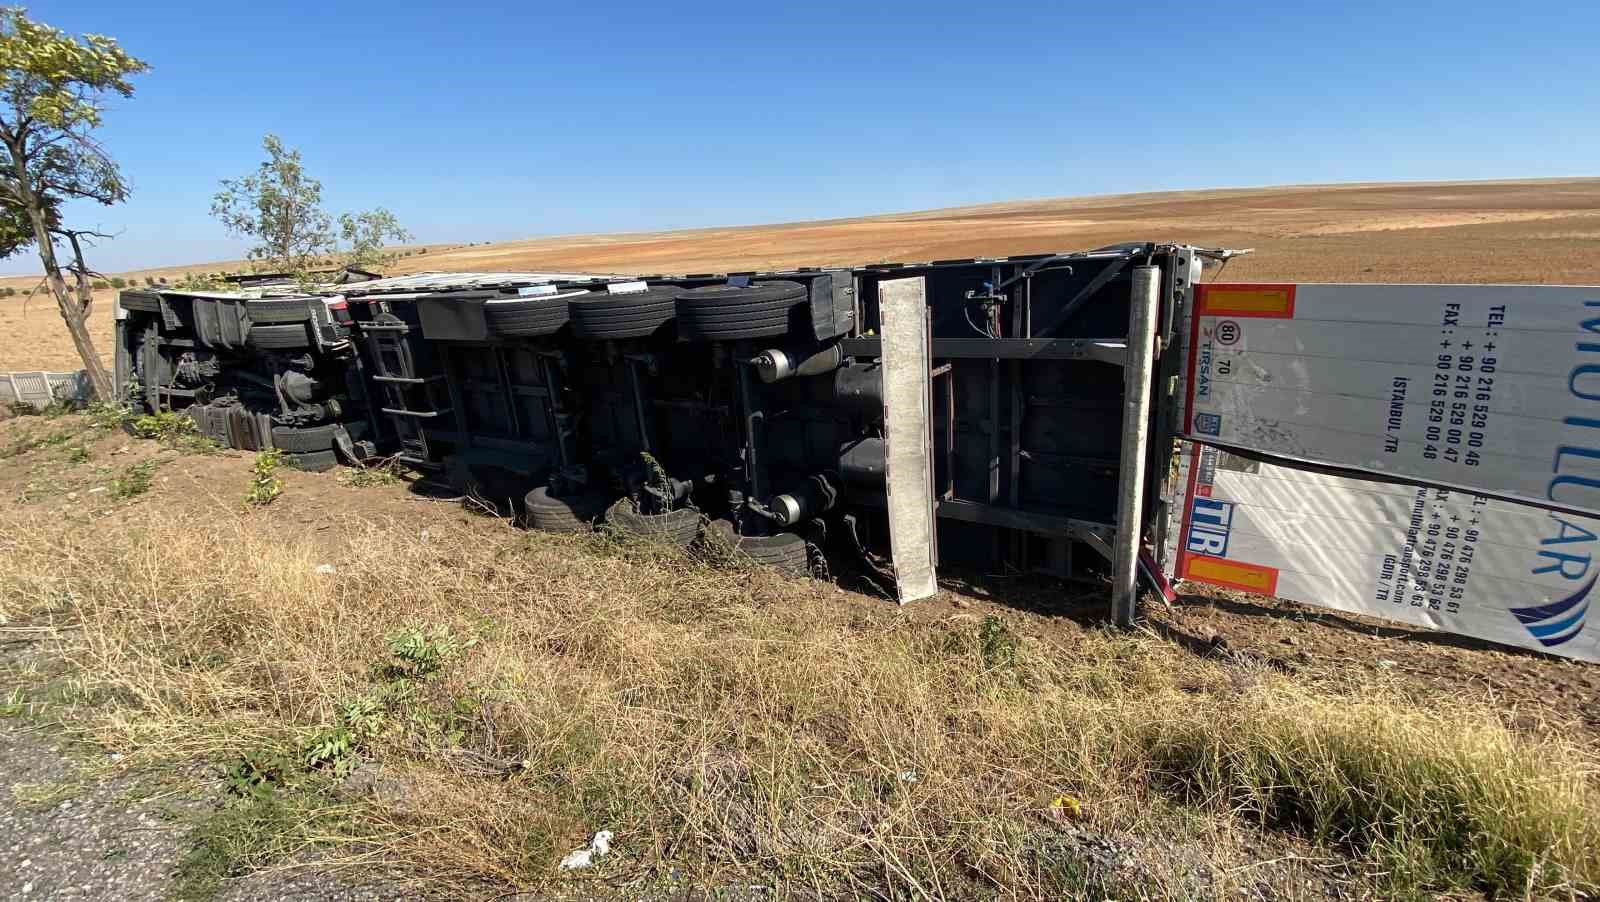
x=973 y=412
x=1096 y=414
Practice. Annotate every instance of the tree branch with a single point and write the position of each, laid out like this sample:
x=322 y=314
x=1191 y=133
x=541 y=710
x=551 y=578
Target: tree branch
x=86 y=233
x=31 y=292
x=80 y=273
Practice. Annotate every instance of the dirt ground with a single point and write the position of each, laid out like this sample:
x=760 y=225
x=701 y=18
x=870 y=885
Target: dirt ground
x=1534 y=231
x=1297 y=638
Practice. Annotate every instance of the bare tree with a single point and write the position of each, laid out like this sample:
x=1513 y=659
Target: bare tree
x=53 y=90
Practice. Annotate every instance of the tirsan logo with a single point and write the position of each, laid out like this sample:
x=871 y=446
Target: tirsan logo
x=1209 y=523
x=1569 y=554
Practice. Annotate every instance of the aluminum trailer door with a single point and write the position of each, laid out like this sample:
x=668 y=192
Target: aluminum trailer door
x=1451 y=561
x=1493 y=389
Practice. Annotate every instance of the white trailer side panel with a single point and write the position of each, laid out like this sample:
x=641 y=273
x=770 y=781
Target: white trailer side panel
x=1445 y=560
x=1490 y=388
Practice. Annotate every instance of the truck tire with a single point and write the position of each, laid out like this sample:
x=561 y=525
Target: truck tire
x=721 y=312
x=296 y=439
x=279 y=338
x=529 y=316
x=607 y=316
x=278 y=310
x=313 y=461
x=572 y=513
x=679 y=528
x=785 y=552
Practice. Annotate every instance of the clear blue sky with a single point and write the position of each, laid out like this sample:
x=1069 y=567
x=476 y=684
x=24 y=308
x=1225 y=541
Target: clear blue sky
x=476 y=121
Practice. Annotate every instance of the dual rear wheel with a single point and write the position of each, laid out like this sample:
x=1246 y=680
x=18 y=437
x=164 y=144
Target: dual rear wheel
x=725 y=312
x=709 y=313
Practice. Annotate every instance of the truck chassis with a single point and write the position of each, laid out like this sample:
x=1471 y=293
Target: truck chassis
x=746 y=407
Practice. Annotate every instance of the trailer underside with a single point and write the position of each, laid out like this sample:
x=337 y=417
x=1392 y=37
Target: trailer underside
x=752 y=403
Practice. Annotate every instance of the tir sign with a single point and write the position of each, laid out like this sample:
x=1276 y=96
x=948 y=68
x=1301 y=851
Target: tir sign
x=1209 y=522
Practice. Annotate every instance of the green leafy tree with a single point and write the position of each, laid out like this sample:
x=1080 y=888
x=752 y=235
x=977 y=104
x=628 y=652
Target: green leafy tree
x=16 y=230
x=366 y=235
x=53 y=91
x=279 y=207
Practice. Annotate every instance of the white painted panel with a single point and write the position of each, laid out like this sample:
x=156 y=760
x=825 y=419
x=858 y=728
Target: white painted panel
x=903 y=319
x=1450 y=561
x=1491 y=388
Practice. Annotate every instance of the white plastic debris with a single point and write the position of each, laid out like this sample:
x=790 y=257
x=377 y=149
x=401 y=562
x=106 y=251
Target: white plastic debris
x=910 y=776
x=582 y=858
x=327 y=569
x=576 y=859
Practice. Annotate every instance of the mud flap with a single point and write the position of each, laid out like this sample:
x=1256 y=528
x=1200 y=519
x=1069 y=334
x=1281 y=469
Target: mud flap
x=232 y=426
x=346 y=446
x=221 y=322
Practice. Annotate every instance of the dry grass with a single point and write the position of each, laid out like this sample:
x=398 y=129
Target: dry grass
x=732 y=724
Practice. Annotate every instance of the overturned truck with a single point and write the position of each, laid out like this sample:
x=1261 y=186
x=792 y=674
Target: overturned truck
x=974 y=411
x=1380 y=449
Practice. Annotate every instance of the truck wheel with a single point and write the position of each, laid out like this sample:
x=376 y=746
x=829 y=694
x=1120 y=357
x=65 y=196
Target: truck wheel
x=278 y=310
x=623 y=315
x=304 y=438
x=314 y=461
x=720 y=312
x=785 y=552
x=529 y=316
x=680 y=527
x=279 y=338
x=576 y=513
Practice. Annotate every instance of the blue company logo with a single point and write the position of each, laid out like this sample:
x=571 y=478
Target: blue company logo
x=1208 y=423
x=1557 y=622
x=1210 y=521
x=1568 y=553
